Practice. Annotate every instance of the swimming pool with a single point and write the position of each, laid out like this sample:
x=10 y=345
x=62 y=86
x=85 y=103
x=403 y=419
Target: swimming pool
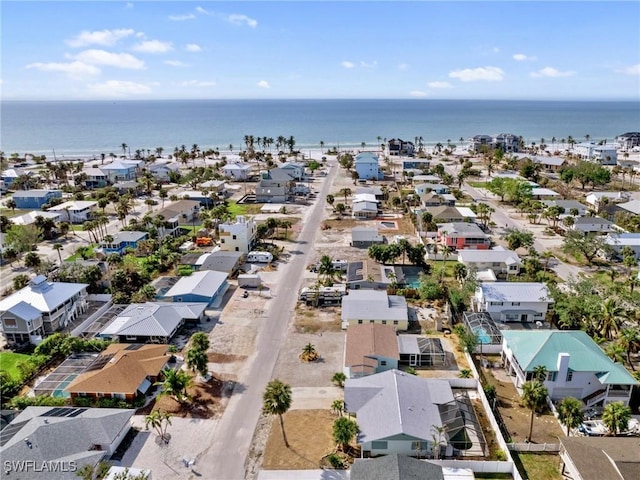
x=483 y=336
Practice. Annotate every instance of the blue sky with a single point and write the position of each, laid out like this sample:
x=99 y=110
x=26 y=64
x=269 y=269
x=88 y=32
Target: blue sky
x=306 y=49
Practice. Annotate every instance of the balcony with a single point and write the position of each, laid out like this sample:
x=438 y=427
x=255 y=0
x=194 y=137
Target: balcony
x=595 y=397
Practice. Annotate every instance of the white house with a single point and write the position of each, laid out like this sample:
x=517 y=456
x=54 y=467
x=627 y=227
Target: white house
x=592 y=225
x=296 y=170
x=239 y=236
x=628 y=141
x=236 y=171
x=590 y=151
x=75 y=211
x=499 y=260
x=577 y=367
x=398 y=413
x=513 y=301
x=617 y=241
x=41 y=308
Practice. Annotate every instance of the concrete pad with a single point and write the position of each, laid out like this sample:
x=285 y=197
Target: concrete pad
x=315 y=398
x=303 y=475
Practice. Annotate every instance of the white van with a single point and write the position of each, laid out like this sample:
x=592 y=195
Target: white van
x=259 y=257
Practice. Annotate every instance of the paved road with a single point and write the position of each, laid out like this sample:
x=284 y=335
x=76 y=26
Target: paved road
x=225 y=458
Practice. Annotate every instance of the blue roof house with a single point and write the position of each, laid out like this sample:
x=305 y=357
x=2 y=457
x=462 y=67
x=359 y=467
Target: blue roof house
x=123 y=240
x=366 y=165
x=26 y=199
x=205 y=287
x=576 y=366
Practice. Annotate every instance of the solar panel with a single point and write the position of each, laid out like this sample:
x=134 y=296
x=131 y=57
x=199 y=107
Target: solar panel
x=135 y=346
x=9 y=432
x=100 y=362
x=54 y=412
x=76 y=412
x=64 y=412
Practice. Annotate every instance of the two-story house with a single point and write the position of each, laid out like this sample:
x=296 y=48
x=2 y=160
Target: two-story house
x=500 y=261
x=41 y=308
x=397 y=146
x=274 y=186
x=75 y=211
x=181 y=212
x=27 y=199
x=576 y=366
x=239 y=236
x=513 y=301
x=627 y=141
x=120 y=170
x=367 y=167
x=295 y=169
x=461 y=235
x=96 y=178
x=236 y=171
x=592 y=152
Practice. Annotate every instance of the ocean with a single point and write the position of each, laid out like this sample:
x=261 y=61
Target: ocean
x=89 y=128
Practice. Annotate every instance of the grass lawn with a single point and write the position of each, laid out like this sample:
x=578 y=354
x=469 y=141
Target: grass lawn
x=236 y=209
x=9 y=362
x=477 y=184
x=13 y=213
x=436 y=269
x=77 y=256
x=540 y=467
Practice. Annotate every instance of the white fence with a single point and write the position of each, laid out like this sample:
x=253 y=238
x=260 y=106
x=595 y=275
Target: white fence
x=99 y=297
x=480 y=466
x=534 y=447
x=469 y=383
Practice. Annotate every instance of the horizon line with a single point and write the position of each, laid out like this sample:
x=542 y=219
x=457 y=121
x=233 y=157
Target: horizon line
x=115 y=100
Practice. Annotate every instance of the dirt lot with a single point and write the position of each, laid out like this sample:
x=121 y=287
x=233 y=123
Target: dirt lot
x=316 y=320
x=516 y=418
x=290 y=369
x=309 y=436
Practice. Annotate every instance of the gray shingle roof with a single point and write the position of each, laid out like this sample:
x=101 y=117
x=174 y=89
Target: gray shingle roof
x=62 y=438
x=395 y=467
x=393 y=403
x=373 y=305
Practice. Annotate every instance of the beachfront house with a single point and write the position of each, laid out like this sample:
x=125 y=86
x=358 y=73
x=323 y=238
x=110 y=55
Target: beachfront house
x=576 y=366
x=507 y=142
x=123 y=371
x=206 y=286
x=398 y=412
x=501 y=261
x=150 y=322
x=75 y=211
x=461 y=235
x=627 y=141
x=367 y=167
x=119 y=242
x=374 y=306
x=236 y=171
x=28 y=199
x=370 y=348
x=56 y=442
x=41 y=308
x=95 y=178
x=593 y=152
x=523 y=302
x=398 y=147
x=238 y=236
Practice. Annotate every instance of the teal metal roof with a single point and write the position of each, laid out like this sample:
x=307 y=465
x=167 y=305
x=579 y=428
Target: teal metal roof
x=533 y=348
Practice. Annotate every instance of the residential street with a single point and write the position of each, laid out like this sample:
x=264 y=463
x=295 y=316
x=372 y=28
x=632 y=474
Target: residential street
x=225 y=459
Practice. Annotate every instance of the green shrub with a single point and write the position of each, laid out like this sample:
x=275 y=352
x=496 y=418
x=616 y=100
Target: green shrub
x=501 y=456
x=335 y=460
x=83 y=401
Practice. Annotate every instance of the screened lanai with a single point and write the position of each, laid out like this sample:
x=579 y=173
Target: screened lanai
x=489 y=336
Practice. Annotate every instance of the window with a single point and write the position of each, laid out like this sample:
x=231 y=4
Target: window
x=538 y=315
x=372 y=321
x=419 y=445
x=515 y=304
x=383 y=363
x=360 y=322
x=395 y=322
x=237 y=249
x=235 y=237
x=379 y=445
x=384 y=322
x=513 y=268
x=495 y=303
x=131 y=337
x=10 y=323
x=569 y=376
x=551 y=376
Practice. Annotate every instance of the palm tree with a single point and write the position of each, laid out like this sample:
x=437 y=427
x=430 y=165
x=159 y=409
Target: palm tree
x=159 y=421
x=437 y=435
x=197 y=361
x=629 y=340
x=534 y=395
x=615 y=352
x=616 y=417
x=611 y=315
x=344 y=429
x=124 y=148
x=175 y=384
x=57 y=247
x=330 y=199
x=309 y=353
x=346 y=193
x=540 y=373
x=325 y=267
x=276 y=400
x=337 y=407
x=286 y=225
x=570 y=413
x=339 y=378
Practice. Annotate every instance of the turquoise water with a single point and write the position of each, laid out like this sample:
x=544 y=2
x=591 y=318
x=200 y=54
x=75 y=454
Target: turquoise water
x=90 y=128
x=483 y=336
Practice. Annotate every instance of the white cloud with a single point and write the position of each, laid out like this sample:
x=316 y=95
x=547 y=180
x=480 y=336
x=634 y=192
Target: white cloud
x=488 y=74
x=182 y=18
x=193 y=47
x=417 y=93
x=403 y=66
x=102 y=57
x=175 y=63
x=118 y=88
x=347 y=64
x=439 y=85
x=521 y=57
x=551 y=72
x=631 y=70
x=238 y=19
x=77 y=70
x=153 y=46
x=368 y=65
x=99 y=37
x=202 y=11
x=129 y=5
x=197 y=83
x=263 y=84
